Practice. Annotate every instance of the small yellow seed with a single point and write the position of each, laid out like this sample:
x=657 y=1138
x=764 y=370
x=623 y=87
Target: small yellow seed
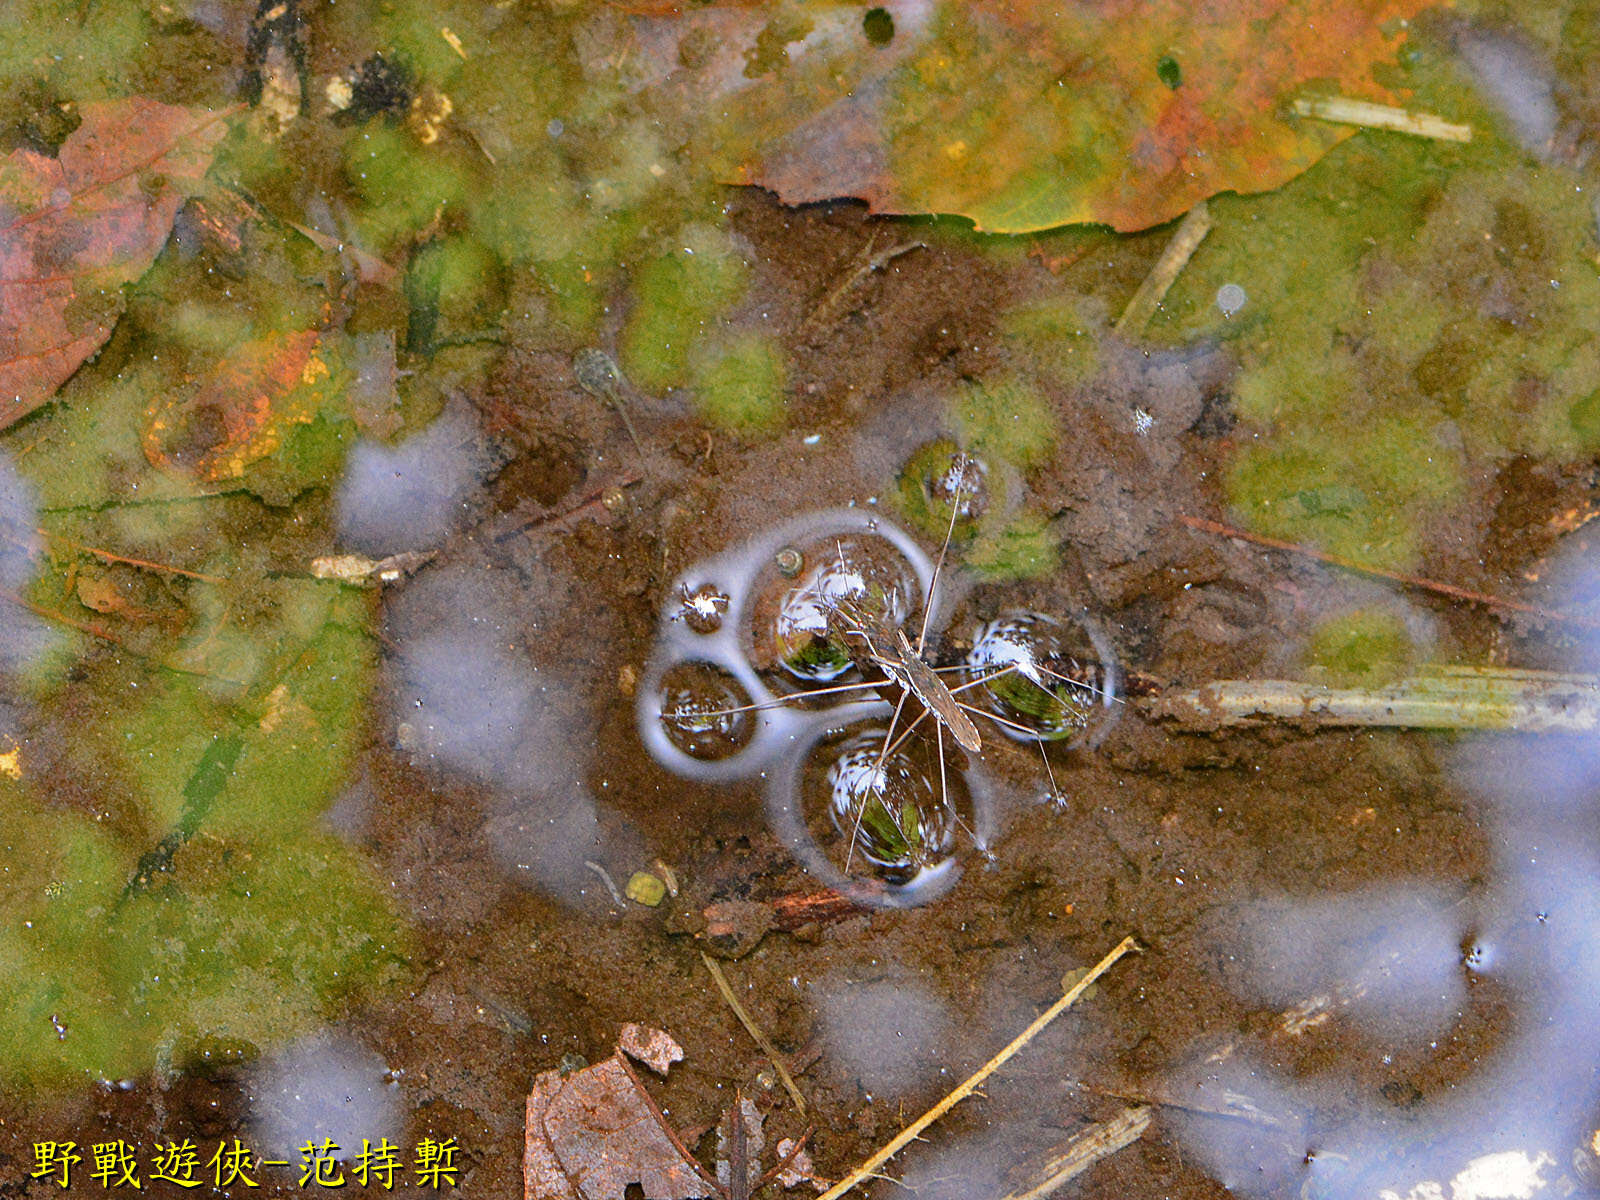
x=645 y=888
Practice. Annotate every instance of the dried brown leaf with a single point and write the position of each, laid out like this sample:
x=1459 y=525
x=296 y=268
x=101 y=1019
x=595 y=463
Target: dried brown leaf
x=242 y=411
x=799 y=1168
x=76 y=227
x=653 y=1047
x=592 y=1133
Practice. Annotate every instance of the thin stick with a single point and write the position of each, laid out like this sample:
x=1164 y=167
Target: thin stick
x=866 y=263
x=1088 y=1148
x=1346 y=111
x=1488 y=700
x=1173 y=259
x=109 y=556
x=973 y=1082
x=1416 y=581
x=754 y=1031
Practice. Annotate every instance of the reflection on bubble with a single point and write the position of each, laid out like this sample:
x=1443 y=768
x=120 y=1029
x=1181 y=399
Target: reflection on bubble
x=915 y=826
x=888 y=807
x=703 y=608
x=1045 y=679
x=697 y=703
x=844 y=582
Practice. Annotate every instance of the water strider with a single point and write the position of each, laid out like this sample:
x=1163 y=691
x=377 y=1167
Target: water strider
x=814 y=612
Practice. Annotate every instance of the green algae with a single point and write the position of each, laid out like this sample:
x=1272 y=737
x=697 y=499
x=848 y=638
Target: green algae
x=677 y=298
x=231 y=916
x=1409 y=321
x=1365 y=648
x=740 y=384
x=1007 y=419
x=1021 y=548
x=1059 y=334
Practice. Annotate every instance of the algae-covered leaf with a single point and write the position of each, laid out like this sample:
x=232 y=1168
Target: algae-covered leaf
x=75 y=228
x=1027 y=115
x=244 y=410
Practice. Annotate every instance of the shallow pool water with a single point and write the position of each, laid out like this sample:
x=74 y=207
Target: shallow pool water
x=449 y=605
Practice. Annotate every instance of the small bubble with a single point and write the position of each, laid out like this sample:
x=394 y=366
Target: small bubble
x=555 y=128
x=702 y=610
x=1230 y=298
x=697 y=711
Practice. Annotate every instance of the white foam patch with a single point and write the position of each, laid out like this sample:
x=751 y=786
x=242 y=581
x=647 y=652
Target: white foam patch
x=891 y=1036
x=407 y=497
x=328 y=1086
x=468 y=697
x=1392 y=957
x=23 y=636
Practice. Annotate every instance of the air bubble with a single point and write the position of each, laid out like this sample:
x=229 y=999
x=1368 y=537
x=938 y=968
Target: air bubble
x=1231 y=298
x=850 y=582
x=890 y=814
x=1047 y=679
x=940 y=476
x=696 y=699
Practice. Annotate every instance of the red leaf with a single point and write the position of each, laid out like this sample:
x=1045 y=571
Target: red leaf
x=75 y=228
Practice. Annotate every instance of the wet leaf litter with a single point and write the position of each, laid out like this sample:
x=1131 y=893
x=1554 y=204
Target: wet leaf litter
x=82 y=223
x=186 y=511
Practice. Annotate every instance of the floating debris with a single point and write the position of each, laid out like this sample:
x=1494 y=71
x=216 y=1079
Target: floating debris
x=1483 y=698
x=1231 y=298
x=598 y=374
x=1345 y=111
x=646 y=889
x=363 y=571
x=1191 y=232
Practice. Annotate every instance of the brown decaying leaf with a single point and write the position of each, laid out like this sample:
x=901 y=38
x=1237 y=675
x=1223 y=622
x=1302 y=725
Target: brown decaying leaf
x=75 y=228
x=653 y=1047
x=799 y=1168
x=592 y=1133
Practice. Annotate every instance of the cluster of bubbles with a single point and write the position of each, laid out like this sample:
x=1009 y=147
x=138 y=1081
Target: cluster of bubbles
x=757 y=673
x=776 y=660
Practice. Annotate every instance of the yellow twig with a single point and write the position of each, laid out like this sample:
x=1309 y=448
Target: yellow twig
x=1178 y=252
x=754 y=1031
x=974 y=1081
x=1344 y=111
